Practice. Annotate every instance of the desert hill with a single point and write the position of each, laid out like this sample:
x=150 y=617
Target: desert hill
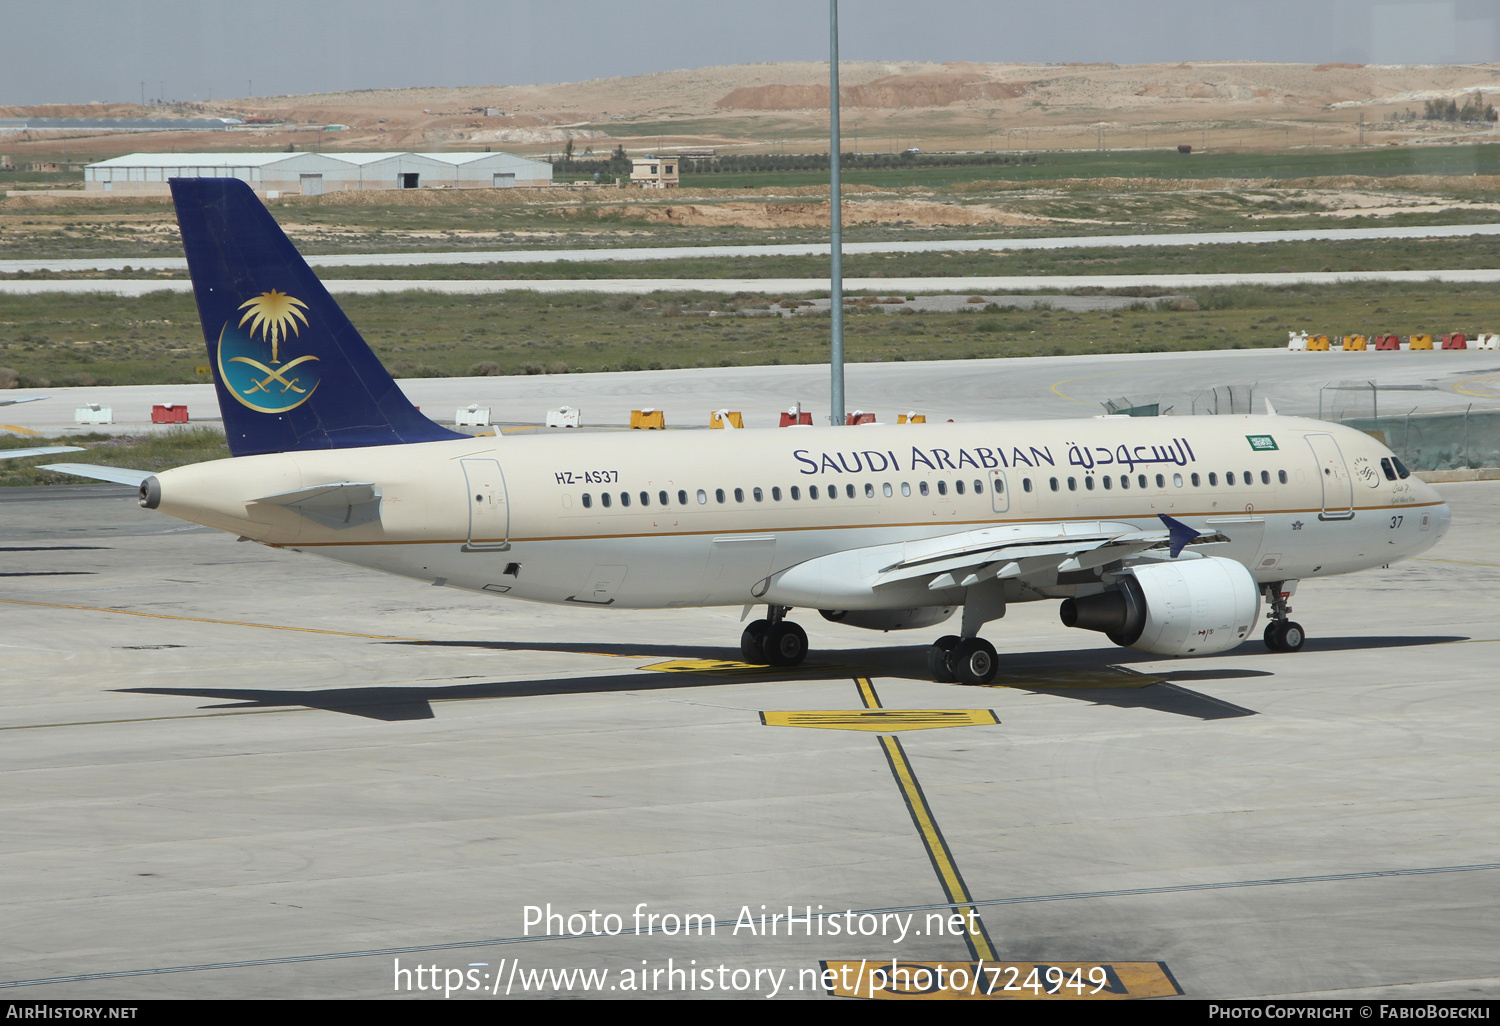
x=886 y=105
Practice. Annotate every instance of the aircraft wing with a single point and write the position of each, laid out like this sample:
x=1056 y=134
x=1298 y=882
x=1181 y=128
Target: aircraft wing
x=24 y=399
x=46 y=450
x=118 y=475
x=901 y=573
x=1021 y=558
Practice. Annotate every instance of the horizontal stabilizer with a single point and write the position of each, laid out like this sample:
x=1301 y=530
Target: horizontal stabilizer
x=119 y=475
x=46 y=450
x=338 y=504
x=326 y=496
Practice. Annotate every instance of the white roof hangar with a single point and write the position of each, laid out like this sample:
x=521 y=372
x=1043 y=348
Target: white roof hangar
x=316 y=173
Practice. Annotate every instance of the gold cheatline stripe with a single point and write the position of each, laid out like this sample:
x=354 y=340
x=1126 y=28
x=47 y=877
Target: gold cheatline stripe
x=978 y=940
x=204 y=619
x=1040 y=518
x=867 y=693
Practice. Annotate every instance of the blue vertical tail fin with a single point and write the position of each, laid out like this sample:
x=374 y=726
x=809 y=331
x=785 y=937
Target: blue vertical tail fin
x=291 y=372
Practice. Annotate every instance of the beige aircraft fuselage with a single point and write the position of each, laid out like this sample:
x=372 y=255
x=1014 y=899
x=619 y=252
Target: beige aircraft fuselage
x=678 y=518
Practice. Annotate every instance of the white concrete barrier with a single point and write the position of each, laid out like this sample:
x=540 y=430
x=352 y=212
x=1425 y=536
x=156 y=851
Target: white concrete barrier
x=567 y=417
x=472 y=415
x=1297 y=341
x=93 y=413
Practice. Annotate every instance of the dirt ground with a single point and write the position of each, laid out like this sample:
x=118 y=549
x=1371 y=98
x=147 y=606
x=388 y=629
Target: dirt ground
x=886 y=106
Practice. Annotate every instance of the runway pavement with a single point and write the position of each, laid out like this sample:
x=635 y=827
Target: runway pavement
x=232 y=771
x=777 y=286
x=965 y=390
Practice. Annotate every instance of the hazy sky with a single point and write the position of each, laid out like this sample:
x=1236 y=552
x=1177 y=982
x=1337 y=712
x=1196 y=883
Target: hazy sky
x=74 y=51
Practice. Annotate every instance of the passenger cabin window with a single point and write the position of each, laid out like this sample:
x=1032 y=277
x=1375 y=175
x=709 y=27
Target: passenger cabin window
x=1108 y=482
x=885 y=489
x=1265 y=477
x=604 y=498
x=661 y=498
x=942 y=487
x=1229 y=478
x=905 y=488
x=759 y=495
x=702 y=497
x=1052 y=482
x=1213 y=479
x=645 y=498
x=1088 y=483
x=1176 y=480
x=1195 y=480
x=1161 y=481
x=812 y=490
x=1026 y=484
x=797 y=492
x=1072 y=484
x=958 y=486
x=739 y=495
x=624 y=498
x=849 y=491
x=588 y=501
x=922 y=486
x=719 y=494
x=681 y=497
x=1281 y=476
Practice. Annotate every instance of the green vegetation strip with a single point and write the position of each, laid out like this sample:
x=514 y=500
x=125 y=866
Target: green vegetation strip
x=92 y=339
x=173 y=448
x=1475 y=251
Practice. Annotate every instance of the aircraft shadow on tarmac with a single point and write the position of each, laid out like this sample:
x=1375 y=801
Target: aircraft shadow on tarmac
x=1040 y=672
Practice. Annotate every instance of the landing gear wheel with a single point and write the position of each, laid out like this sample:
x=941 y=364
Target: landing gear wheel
x=786 y=644
x=1272 y=636
x=1292 y=637
x=974 y=662
x=753 y=642
x=1284 y=636
x=938 y=657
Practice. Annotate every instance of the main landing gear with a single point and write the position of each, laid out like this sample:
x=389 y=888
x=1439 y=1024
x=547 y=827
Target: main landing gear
x=1282 y=633
x=774 y=641
x=962 y=660
x=969 y=659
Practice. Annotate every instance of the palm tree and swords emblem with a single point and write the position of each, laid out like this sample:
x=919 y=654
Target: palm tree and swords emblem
x=267 y=386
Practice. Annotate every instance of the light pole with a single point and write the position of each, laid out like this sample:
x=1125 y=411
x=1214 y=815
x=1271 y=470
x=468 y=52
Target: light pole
x=836 y=220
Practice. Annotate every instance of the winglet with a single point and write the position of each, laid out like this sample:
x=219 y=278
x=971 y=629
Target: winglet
x=1270 y=410
x=1181 y=534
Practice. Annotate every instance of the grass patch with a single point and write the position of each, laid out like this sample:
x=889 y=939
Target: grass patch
x=52 y=340
x=177 y=447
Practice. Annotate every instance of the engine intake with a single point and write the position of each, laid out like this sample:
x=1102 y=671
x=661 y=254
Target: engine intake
x=1193 y=607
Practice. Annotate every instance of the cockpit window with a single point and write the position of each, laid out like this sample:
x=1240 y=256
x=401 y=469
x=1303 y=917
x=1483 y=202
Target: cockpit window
x=1400 y=468
x=1390 y=471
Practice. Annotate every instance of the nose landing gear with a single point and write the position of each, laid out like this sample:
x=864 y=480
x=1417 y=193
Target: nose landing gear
x=1282 y=633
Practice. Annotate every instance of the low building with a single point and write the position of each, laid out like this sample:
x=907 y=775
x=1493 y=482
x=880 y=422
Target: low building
x=654 y=172
x=312 y=174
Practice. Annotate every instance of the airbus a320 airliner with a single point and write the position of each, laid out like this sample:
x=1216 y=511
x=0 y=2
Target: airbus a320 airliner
x=1165 y=534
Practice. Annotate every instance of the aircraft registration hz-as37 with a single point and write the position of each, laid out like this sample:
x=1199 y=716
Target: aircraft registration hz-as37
x=1165 y=534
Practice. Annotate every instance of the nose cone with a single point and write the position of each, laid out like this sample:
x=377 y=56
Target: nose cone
x=1442 y=518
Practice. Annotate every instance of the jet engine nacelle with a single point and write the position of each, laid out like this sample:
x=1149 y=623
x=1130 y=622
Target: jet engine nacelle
x=889 y=619
x=1195 y=607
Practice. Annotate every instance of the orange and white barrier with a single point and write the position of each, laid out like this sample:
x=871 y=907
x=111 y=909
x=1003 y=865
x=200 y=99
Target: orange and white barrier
x=726 y=419
x=648 y=419
x=911 y=418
